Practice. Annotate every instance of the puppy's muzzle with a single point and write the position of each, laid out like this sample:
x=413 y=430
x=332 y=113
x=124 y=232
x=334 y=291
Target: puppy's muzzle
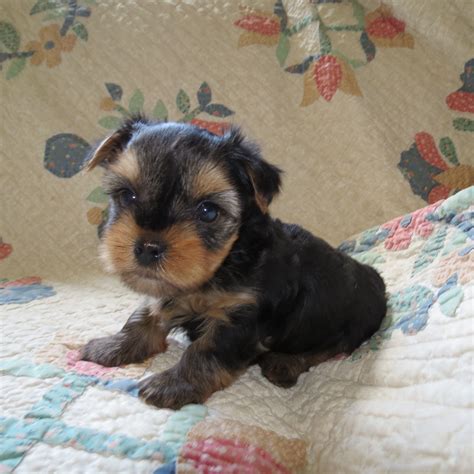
x=148 y=252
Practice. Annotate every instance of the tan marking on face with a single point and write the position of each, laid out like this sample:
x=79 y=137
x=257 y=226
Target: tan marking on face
x=210 y=179
x=126 y=165
x=262 y=203
x=117 y=245
x=187 y=262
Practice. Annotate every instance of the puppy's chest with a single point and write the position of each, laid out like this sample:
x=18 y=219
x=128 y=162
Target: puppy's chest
x=209 y=305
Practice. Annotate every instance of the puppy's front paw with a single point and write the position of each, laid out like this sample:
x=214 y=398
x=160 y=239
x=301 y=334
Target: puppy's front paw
x=281 y=369
x=169 y=390
x=106 y=351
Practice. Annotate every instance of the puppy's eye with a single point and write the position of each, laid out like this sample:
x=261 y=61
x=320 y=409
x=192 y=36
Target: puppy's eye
x=127 y=197
x=207 y=211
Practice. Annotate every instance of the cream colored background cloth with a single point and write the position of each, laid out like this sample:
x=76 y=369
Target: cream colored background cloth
x=340 y=157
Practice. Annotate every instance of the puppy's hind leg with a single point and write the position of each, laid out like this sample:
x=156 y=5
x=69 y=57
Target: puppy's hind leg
x=142 y=336
x=284 y=369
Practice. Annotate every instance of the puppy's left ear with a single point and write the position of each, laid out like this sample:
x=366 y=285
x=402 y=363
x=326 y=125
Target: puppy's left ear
x=263 y=177
x=109 y=148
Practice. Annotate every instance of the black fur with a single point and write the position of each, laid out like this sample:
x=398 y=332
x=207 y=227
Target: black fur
x=310 y=299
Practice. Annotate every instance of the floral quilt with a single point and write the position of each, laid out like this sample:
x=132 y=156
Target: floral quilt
x=401 y=402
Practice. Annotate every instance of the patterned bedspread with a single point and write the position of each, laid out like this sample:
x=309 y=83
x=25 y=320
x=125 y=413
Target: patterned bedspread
x=402 y=402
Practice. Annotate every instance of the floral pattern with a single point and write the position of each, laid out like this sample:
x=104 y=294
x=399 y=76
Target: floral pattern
x=328 y=70
x=435 y=172
x=53 y=40
x=65 y=153
x=21 y=290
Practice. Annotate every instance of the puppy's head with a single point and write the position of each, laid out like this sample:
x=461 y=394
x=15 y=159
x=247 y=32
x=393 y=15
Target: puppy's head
x=178 y=195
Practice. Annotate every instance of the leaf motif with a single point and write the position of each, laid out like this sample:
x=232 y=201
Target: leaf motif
x=324 y=41
x=463 y=124
x=114 y=90
x=302 y=67
x=160 y=111
x=182 y=102
x=283 y=49
x=16 y=66
x=349 y=82
x=368 y=46
x=358 y=12
x=218 y=110
x=110 y=122
x=448 y=149
x=137 y=101
x=98 y=196
x=204 y=94
x=81 y=31
x=458 y=177
x=65 y=154
x=43 y=5
x=310 y=91
x=9 y=37
x=250 y=37
x=280 y=12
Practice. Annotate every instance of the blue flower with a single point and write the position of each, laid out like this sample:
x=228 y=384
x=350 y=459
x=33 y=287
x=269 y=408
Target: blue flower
x=25 y=293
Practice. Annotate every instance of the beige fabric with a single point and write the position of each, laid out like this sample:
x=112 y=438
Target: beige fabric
x=340 y=157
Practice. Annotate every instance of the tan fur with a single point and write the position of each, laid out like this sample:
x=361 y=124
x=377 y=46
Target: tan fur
x=187 y=262
x=126 y=165
x=214 y=305
x=208 y=180
x=117 y=245
x=262 y=203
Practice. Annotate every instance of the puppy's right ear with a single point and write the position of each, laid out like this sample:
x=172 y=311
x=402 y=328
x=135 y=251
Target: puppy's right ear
x=109 y=148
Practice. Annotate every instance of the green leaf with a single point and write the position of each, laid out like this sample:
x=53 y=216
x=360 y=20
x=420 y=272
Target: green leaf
x=359 y=12
x=160 y=111
x=204 y=94
x=324 y=41
x=43 y=5
x=98 y=196
x=303 y=23
x=114 y=90
x=81 y=31
x=16 y=66
x=136 y=102
x=448 y=149
x=283 y=49
x=110 y=122
x=218 y=110
x=9 y=37
x=54 y=15
x=182 y=102
x=463 y=124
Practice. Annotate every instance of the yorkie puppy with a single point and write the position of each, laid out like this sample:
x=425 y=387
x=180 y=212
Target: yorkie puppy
x=188 y=226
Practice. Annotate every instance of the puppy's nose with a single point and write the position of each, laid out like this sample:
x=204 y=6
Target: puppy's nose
x=148 y=252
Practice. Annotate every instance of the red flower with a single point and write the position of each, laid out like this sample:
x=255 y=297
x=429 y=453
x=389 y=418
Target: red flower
x=260 y=28
x=5 y=249
x=218 y=128
x=263 y=25
x=461 y=101
x=329 y=74
x=387 y=31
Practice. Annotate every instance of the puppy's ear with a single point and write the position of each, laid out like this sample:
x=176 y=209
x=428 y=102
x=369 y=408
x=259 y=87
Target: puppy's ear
x=109 y=148
x=263 y=177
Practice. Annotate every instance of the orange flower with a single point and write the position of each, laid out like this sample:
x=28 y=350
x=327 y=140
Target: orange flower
x=387 y=31
x=50 y=46
x=325 y=77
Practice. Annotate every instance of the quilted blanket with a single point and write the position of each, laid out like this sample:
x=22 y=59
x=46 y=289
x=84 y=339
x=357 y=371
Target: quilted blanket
x=402 y=402
x=366 y=105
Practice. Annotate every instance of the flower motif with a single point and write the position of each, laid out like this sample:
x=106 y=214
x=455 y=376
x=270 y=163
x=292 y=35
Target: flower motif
x=24 y=290
x=260 y=27
x=5 y=249
x=328 y=74
x=387 y=31
x=218 y=128
x=50 y=46
x=463 y=99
